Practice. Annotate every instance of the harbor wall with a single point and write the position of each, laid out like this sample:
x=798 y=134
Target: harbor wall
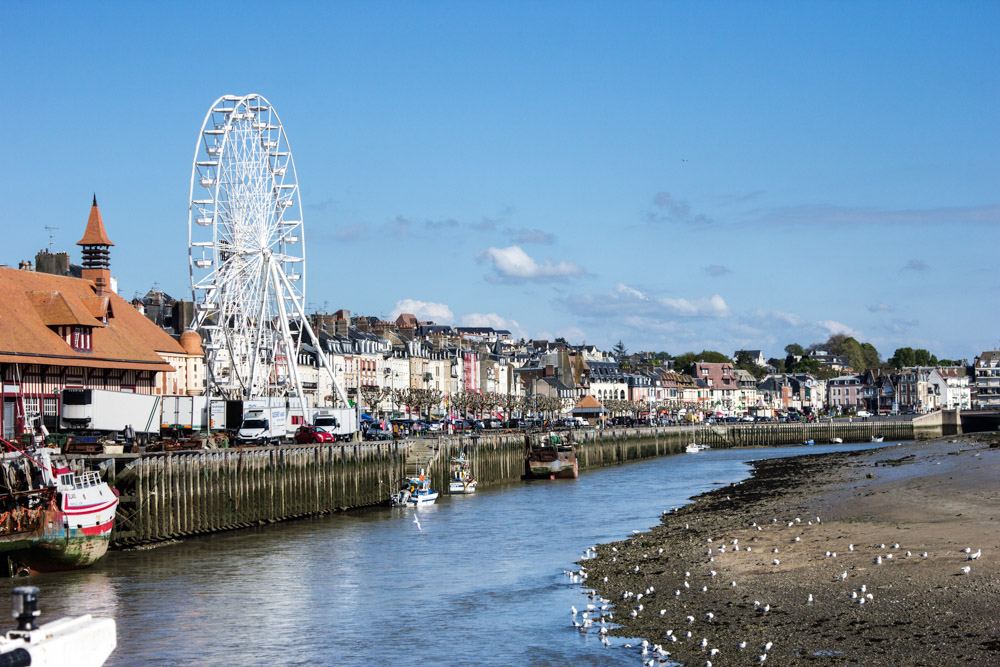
x=168 y=496
x=173 y=495
x=499 y=458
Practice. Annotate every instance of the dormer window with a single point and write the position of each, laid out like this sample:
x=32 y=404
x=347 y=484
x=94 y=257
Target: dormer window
x=79 y=338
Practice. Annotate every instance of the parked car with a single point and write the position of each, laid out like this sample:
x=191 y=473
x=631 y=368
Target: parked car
x=746 y=418
x=308 y=434
x=863 y=414
x=375 y=432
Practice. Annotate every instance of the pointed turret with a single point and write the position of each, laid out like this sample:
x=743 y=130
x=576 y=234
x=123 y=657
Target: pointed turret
x=95 y=233
x=96 y=250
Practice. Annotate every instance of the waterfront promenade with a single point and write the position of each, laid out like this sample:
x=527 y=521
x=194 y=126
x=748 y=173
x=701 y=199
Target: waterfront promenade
x=181 y=494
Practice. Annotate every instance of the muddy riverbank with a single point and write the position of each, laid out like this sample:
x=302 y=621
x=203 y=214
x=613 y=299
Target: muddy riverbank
x=783 y=560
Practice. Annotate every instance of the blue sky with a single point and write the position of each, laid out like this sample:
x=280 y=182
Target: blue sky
x=677 y=175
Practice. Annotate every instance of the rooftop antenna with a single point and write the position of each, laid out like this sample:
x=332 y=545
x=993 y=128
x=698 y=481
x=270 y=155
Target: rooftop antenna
x=52 y=235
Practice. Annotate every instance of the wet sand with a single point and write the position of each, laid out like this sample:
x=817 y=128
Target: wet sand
x=937 y=497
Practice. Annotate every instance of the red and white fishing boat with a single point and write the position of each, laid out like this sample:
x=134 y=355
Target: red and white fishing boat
x=50 y=517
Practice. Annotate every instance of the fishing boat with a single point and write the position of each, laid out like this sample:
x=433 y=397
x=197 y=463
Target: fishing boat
x=461 y=480
x=51 y=518
x=416 y=491
x=878 y=438
x=836 y=441
x=550 y=458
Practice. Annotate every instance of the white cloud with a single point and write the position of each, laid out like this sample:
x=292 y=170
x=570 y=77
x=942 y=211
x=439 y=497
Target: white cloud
x=713 y=306
x=513 y=263
x=424 y=310
x=625 y=290
x=833 y=327
x=494 y=320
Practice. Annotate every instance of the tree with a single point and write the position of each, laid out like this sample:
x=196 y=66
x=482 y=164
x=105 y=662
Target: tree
x=373 y=397
x=747 y=362
x=685 y=362
x=794 y=349
x=619 y=351
x=779 y=364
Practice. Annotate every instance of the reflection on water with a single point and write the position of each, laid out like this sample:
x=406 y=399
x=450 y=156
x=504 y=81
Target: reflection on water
x=479 y=581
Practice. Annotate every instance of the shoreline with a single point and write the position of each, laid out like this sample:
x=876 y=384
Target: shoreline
x=937 y=497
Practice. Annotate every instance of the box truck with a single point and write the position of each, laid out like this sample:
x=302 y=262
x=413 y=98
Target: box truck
x=263 y=425
x=341 y=422
x=101 y=411
x=183 y=414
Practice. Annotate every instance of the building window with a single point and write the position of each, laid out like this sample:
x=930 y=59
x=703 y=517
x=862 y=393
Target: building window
x=51 y=407
x=30 y=407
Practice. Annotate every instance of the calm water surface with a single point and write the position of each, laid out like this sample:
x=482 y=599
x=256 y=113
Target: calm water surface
x=479 y=583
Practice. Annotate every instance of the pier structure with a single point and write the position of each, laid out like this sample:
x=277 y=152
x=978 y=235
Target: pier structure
x=180 y=494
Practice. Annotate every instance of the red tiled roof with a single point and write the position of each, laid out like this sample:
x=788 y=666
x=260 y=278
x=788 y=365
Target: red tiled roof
x=95 y=233
x=32 y=302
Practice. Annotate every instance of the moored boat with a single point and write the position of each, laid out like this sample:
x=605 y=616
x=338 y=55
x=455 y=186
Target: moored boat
x=416 y=491
x=461 y=481
x=810 y=441
x=836 y=441
x=51 y=518
x=878 y=438
x=694 y=448
x=551 y=458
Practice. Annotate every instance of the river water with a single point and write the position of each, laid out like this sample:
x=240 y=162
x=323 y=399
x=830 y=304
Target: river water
x=479 y=582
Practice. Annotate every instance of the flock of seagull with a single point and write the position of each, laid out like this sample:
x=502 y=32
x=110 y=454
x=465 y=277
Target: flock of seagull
x=600 y=611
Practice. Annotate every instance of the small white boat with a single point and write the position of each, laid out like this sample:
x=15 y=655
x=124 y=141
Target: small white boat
x=836 y=441
x=457 y=486
x=416 y=491
x=878 y=438
x=694 y=448
x=462 y=481
x=810 y=441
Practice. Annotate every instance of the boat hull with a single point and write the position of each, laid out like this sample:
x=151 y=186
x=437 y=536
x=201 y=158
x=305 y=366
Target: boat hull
x=458 y=487
x=52 y=544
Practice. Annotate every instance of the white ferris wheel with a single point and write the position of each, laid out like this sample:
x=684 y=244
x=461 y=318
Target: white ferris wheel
x=247 y=252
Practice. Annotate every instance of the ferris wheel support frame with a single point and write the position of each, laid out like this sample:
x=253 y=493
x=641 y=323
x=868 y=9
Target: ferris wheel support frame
x=252 y=251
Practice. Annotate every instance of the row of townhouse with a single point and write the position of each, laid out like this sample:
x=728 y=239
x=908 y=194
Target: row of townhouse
x=910 y=390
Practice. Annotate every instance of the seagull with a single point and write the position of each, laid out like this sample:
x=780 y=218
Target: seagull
x=895 y=545
x=733 y=584
x=767 y=608
x=878 y=560
x=850 y=547
x=967 y=550
x=690 y=620
x=762 y=658
x=663 y=612
x=843 y=575
x=976 y=555
x=864 y=588
x=775 y=562
x=416 y=520
x=714 y=652
x=767 y=646
x=709 y=616
x=810 y=598
x=572 y=610
x=743 y=645
x=923 y=555
x=966 y=570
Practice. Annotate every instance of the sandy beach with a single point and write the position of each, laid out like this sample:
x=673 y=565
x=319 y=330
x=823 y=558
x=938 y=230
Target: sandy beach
x=846 y=559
